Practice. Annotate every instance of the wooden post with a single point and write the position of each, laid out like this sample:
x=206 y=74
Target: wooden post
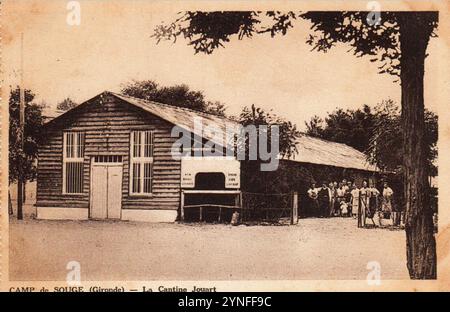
x=201 y=214
x=359 y=211
x=363 y=213
x=21 y=137
x=242 y=207
x=238 y=203
x=294 y=219
x=237 y=200
x=182 y=206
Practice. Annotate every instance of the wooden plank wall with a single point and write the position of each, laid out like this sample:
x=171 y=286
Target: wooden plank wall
x=107 y=128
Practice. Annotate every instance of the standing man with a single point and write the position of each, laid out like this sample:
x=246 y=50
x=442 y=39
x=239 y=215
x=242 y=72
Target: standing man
x=373 y=200
x=313 y=204
x=324 y=200
x=355 y=201
x=365 y=198
x=332 y=198
x=336 y=204
x=340 y=197
x=348 y=198
x=387 y=201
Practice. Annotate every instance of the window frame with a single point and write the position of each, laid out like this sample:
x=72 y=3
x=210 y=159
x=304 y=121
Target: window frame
x=142 y=160
x=66 y=159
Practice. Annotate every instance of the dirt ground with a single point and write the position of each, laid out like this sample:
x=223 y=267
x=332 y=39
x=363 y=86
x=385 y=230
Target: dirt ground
x=314 y=249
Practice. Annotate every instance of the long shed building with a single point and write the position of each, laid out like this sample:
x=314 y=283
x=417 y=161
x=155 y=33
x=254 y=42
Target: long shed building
x=111 y=158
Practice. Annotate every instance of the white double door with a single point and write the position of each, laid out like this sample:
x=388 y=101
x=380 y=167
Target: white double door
x=106 y=191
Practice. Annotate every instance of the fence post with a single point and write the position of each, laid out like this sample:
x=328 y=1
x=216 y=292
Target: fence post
x=358 y=216
x=182 y=206
x=361 y=212
x=294 y=219
x=242 y=206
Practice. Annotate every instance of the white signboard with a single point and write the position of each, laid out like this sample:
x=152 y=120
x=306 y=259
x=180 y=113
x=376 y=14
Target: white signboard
x=229 y=166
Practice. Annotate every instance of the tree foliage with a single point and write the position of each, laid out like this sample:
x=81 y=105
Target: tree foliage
x=288 y=132
x=177 y=95
x=351 y=127
x=375 y=131
x=385 y=146
x=66 y=104
x=207 y=31
x=253 y=179
x=32 y=135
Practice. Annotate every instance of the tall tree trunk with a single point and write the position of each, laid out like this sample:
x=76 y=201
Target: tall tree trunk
x=20 y=198
x=10 y=206
x=415 y=31
x=24 y=191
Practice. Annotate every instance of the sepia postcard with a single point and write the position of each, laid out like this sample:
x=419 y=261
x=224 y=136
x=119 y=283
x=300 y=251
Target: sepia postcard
x=209 y=146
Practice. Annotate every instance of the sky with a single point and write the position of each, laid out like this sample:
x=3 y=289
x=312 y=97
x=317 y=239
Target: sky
x=112 y=46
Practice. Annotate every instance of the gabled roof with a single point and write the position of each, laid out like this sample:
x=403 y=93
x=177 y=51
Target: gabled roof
x=186 y=118
x=321 y=152
x=182 y=117
x=310 y=150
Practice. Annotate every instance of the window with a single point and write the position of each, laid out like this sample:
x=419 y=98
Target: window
x=141 y=162
x=108 y=159
x=73 y=159
x=210 y=181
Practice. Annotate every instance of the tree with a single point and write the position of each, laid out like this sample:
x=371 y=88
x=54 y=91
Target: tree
x=32 y=136
x=398 y=40
x=351 y=127
x=177 y=95
x=252 y=177
x=66 y=104
x=385 y=146
x=216 y=108
x=375 y=131
x=314 y=127
x=288 y=132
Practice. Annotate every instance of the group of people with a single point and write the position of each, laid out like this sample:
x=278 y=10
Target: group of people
x=346 y=199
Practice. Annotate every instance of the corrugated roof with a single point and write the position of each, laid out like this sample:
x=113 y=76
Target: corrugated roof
x=310 y=150
x=185 y=118
x=321 y=152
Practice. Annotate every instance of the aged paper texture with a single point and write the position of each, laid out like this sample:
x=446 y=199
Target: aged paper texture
x=224 y=146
